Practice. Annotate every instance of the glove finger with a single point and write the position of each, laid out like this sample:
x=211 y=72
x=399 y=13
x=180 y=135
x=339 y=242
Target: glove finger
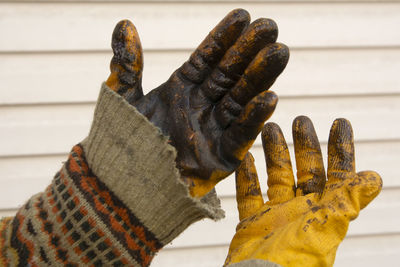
x=248 y=193
x=341 y=160
x=351 y=195
x=127 y=63
x=309 y=163
x=281 y=187
x=260 y=74
x=370 y=187
x=229 y=70
x=240 y=135
x=214 y=46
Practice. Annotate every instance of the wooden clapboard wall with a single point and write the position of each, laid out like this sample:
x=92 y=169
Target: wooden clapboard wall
x=345 y=60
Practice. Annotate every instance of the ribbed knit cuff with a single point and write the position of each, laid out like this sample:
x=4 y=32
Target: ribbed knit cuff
x=134 y=160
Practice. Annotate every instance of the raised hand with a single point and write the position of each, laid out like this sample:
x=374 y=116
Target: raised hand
x=300 y=225
x=213 y=106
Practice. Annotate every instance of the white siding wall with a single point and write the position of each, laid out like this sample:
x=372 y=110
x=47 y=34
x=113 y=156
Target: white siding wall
x=345 y=62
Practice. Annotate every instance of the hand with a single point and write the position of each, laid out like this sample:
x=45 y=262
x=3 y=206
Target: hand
x=303 y=225
x=213 y=107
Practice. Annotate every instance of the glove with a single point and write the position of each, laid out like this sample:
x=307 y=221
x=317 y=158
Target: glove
x=213 y=106
x=300 y=225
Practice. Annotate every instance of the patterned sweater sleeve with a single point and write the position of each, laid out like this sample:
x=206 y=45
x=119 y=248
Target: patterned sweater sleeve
x=117 y=200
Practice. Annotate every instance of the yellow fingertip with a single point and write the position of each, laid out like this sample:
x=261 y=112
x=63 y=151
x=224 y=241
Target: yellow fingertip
x=341 y=159
x=281 y=186
x=310 y=166
x=248 y=192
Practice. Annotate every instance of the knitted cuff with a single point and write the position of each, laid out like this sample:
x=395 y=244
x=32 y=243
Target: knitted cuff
x=134 y=160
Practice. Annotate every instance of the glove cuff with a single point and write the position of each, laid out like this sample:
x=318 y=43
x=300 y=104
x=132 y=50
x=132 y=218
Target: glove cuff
x=134 y=160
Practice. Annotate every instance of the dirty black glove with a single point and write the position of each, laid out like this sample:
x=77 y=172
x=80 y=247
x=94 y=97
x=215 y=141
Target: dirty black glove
x=213 y=106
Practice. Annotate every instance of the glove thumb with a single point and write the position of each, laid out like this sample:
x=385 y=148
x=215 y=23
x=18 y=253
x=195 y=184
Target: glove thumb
x=127 y=63
x=371 y=185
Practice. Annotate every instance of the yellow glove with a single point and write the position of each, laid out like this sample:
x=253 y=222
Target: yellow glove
x=300 y=225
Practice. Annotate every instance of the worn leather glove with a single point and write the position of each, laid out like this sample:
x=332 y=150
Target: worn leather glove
x=300 y=225
x=213 y=107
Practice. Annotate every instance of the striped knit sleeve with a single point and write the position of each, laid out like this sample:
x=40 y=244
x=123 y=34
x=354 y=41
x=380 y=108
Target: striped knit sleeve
x=117 y=200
